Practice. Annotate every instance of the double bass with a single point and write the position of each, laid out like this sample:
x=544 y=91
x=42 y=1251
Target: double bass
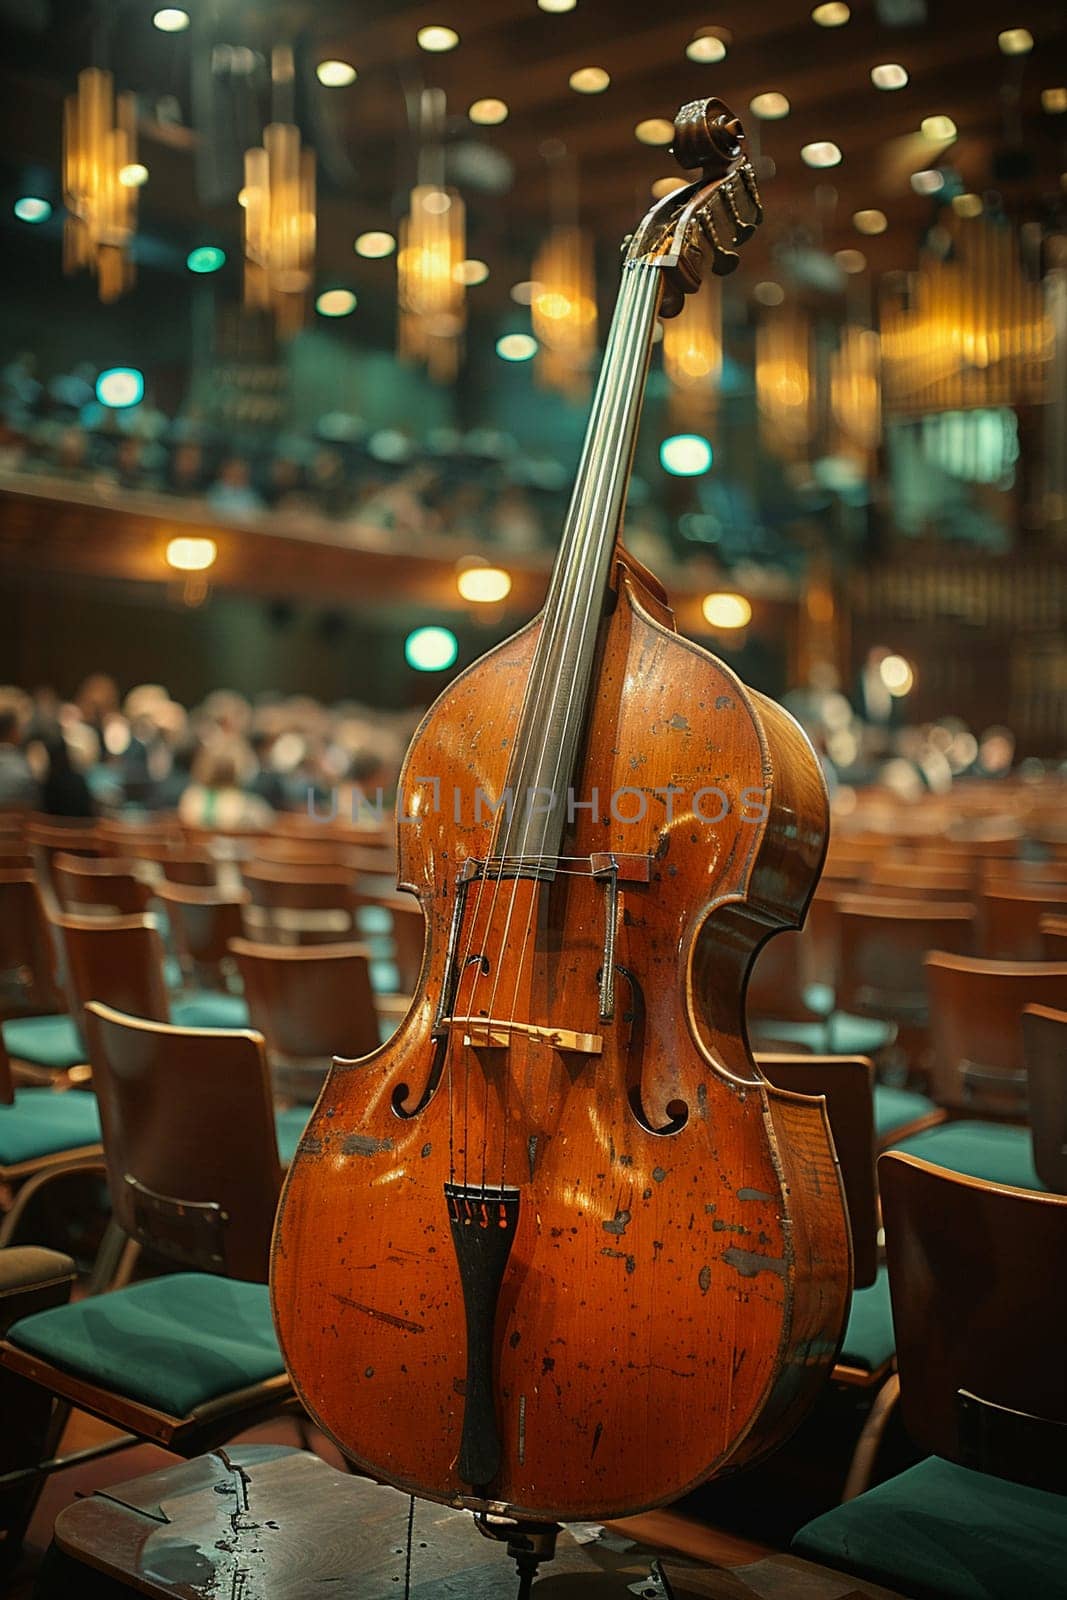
x=558 y=1251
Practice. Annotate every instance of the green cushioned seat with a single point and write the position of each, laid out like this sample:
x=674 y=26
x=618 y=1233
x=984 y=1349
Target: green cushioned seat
x=45 y=1042
x=289 y=1125
x=209 y=1008
x=869 y=1339
x=173 y=976
x=992 y=1151
x=173 y=1343
x=841 y=1034
x=943 y=1531
x=898 y=1108
x=819 y=997
x=43 y=1123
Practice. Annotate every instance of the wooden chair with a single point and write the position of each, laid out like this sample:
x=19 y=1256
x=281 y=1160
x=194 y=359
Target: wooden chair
x=188 y=1359
x=1053 y=938
x=1045 y=1052
x=893 y=880
x=44 y=1132
x=1011 y=919
x=301 y=904
x=311 y=1003
x=41 y=1039
x=1024 y=874
x=99 y=885
x=50 y=837
x=981 y=1325
x=181 y=864
x=409 y=939
x=203 y=921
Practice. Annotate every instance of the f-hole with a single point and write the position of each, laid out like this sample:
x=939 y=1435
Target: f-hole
x=632 y=1018
x=402 y=1090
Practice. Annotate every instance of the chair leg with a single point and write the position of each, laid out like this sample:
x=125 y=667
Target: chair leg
x=866 y=1452
x=33 y=1427
x=109 y=1259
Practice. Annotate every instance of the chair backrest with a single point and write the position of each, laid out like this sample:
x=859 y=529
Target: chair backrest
x=1011 y=919
x=49 y=838
x=1045 y=1053
x=1024 y=874
x=189 y=1141
x=895 y=880
x=779 y=979
x=301 y=903
x=409 y=939
x=882 y=947
x=980 y=1312
x=116 y=960
x=848 y=1084
x=91 y=885
x=27 y=954
x=1054 y=938
x=975 y=1006
x=310 y=1002
x=203 y=921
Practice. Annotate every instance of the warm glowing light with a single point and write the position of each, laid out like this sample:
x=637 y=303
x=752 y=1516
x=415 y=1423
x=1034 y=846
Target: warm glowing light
x=685 y=455
x=706 y=48
x=967 y=205
x=335 y=74
x=99 y=140
x=589 y=80
x=890 y=75
x=938 y=130
x=120 y=387
x=516 y=347
x=870 y=221
x=487 y=113
x=171 y=20
x=484 y=585
x=665 y=186
x=928 y=181
x=437 y=40
x=432 y=248
x=133 y=175
x=205 y=258
x=523 y=293
x=1015 y=41
x=31 y=209
x=564 y=310
x=851 y=261
x=897 y=675
x=471 y=272
x=431 y=649
x=336 y=303
x=834 y=14
x=823 y=153
x=191 y=554
x=769 y=293
x=1054 y=100
x=770 y=106
x=557 y=6
x=727 y=610
x=375 y=244
x=654 y=130
x=279 y=226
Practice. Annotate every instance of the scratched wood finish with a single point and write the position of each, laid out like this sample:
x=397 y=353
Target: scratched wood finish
x=672 y=1299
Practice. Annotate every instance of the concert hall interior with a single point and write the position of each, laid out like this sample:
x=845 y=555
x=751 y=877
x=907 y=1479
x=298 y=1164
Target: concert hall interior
x=533 y=799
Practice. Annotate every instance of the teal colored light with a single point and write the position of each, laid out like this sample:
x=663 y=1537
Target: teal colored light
x=431 y=649
x=685 y=455
x=205 y=258
x=31 y=209
x=120 y=387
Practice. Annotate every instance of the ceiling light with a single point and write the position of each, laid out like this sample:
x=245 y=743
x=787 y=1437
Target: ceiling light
x=336 y=303
x=1054 y=100
x=929 y=181
x=516 y=347
x=557 y=6
x=685 y=455
x=769 y=107
x=939 y=130
x=769 y=293
x=190 y=554
x=897 y=674
x=523 y=293
x=205 y=258
x=665 y=186
x=851 y=261
x=431 y=649
x=133 y=175
x=727 y=610
x=967 y=205
x=335 y=74
x=589 y=80
x=470 y=272
x=823 y=153
x=171 y=20
x=834 y=14
x=484 y=585
x=870 y=221
x=1015 y=41
x=437 y=40
x=654 y=130
x=706 y=47
x=32 y=209
x=889 y=76
x=375 y=244
x=120 y=387
x=487 y=113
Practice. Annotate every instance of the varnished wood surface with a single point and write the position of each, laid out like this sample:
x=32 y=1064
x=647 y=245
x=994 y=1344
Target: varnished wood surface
x=280 y=1525
x=673 y=1300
